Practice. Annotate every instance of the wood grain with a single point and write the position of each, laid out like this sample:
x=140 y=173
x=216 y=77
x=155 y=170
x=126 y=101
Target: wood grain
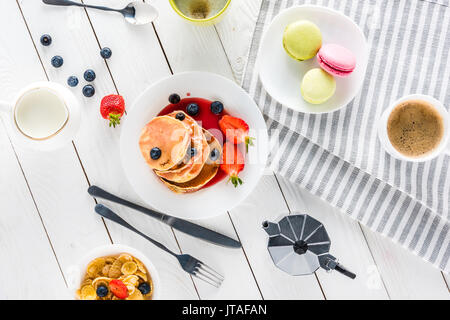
x=47 y=220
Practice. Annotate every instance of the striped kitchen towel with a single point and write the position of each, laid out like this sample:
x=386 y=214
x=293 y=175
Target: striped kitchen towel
x=338 y=157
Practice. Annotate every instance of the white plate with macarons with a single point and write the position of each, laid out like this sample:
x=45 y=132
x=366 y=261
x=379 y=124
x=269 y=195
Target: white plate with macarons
x=282 y=75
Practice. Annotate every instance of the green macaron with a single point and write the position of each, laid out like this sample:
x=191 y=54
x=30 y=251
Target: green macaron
x=302 y=40
x=317 y=86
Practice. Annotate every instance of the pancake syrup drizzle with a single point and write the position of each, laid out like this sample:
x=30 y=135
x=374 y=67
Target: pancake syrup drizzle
x=208 y=120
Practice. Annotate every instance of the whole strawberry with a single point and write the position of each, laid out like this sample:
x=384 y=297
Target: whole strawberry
x=236 y=130
x=233 y=163
x=112 y=108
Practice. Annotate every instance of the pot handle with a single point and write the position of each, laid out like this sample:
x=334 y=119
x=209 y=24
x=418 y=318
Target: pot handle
x=344 y=271
x=328 y=262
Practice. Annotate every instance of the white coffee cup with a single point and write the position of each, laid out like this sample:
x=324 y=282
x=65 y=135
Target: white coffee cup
x=443 y=147
x=43 y=116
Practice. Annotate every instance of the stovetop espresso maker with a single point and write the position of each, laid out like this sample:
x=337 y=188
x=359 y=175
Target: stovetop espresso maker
x=299 y=245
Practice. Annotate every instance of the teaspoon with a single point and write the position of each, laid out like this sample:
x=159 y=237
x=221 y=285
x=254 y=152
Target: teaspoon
x=136 y=12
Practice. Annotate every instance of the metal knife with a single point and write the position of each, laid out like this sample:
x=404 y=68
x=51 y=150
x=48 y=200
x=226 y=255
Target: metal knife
x=184 y=226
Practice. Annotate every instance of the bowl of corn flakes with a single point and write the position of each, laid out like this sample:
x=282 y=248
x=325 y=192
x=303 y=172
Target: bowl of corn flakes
x=114 y=272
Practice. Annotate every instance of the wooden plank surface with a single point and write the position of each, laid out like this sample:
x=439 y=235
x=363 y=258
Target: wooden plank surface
x=49 y=203
x=28 y=261
x=96 y=143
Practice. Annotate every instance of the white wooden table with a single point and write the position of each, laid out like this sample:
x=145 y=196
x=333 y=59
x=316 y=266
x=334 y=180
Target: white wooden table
x=46 y=216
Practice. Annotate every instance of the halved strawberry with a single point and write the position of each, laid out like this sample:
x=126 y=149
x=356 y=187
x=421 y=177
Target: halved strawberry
x=232 y=162
x=235 y=130
x=112 y=108
x=118 y=288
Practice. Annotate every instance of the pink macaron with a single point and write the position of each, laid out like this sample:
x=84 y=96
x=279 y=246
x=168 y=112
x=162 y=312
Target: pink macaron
x=336 y=60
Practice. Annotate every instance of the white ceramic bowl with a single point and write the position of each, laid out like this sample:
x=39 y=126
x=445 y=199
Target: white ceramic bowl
x=281 y=75
x=384 y=138
x=218 y=198
x=75 y=274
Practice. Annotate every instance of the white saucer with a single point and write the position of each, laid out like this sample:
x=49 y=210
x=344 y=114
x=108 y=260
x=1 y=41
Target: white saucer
x=218 y=198
x=281 y=75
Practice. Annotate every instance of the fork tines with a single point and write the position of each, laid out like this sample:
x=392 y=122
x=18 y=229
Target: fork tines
x=207 y=274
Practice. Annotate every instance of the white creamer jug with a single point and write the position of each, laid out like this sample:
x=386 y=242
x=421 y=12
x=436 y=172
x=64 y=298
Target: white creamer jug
x=43 y=116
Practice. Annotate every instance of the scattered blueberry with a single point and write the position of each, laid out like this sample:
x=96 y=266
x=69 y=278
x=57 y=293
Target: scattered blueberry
x=106 y=53
x=88 y=90
x=102 y=291
x=155 y=153
x=216 y=107
x=193 y=109
x=89 y=75
x=57 y=61
x=72 y=81
x=180 y=116
x=214 y=154
x=144 y=288
x=193 y=152
x=46 y=40
x=174 y=98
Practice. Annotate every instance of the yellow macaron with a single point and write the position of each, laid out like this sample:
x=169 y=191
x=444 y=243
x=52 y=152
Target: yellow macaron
x=302 y=40
x=318 y=86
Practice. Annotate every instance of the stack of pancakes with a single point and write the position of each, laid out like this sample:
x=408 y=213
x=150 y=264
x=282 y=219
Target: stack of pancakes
x=190 y=155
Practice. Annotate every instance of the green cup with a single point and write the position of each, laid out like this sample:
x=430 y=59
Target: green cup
x=201 y=12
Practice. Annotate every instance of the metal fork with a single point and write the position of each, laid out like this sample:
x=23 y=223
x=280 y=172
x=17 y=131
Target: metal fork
x=189 y=264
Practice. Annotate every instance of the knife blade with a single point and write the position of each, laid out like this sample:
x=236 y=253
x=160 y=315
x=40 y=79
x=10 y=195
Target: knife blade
x=184 y=226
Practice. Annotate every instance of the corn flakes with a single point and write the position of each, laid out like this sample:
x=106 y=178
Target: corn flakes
x=129 y=268
x=95 y=266
x=137 y=295
x=141 y=275
x=123 y=268
x=88 y=293
x=131 y=279
x=114 y=271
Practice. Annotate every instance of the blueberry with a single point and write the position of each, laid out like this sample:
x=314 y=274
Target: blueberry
x=193 y=152
x=102 y=291
x=193 y=109
x=57 y=61
x=144 y=288
x=155 y=153
x=89 y=75
x=72 y=81
x=214 y=155
x=180 y=116
x=46 y=40
x=106 y=53
x=88 y=90
x=216 y=107
x=174 y=98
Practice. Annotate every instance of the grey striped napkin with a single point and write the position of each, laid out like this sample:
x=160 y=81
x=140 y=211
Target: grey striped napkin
x=338 y=157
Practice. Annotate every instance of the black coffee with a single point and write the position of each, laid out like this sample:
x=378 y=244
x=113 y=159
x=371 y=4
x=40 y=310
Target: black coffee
x=415 y=128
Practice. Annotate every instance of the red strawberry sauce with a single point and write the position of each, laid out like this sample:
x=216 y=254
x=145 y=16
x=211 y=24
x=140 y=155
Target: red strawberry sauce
x=206 y=119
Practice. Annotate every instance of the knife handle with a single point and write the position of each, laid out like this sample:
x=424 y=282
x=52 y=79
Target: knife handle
x=100 y=193
x=176 y=223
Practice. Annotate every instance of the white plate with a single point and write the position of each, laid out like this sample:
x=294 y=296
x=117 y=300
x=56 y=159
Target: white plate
x=218 y=198
x=281 y=75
